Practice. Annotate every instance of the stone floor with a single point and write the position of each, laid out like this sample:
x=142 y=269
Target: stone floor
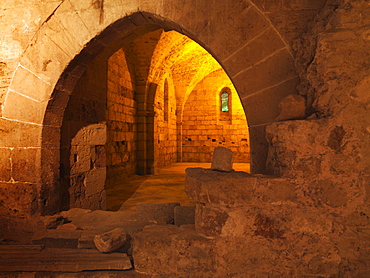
x=165 y=187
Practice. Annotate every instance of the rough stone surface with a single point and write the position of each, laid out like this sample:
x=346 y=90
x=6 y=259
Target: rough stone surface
x=110 y=241
x=38 y=259
x=184 y=215
x=318 y=229
x=222 y=159
x=165 y=250
x=160 y=213
x=54 y=221
x=292 y=107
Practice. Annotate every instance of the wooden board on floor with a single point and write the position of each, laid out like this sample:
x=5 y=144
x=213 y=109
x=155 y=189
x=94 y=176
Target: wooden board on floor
x=36 y=258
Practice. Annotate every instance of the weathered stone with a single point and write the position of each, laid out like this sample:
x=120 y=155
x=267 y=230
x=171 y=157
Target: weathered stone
x=292 y=107
x=234 y=188
x=166 y=250
x=184 y=215
x=53 y=222
x=59 y=260
x=56 y=238
x=222 y=159
x=160 y=213
x=68 y=226
x=110 y=241
x=209 y=221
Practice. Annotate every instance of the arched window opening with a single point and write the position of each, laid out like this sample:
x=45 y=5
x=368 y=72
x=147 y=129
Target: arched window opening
x=225 y=101
x=225 y=105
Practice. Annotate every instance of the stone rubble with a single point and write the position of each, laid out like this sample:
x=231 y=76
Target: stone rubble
x=110 y=241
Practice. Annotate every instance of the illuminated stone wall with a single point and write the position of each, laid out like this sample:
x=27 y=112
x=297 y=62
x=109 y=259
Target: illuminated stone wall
x=121 y=120
x=165 y=151
x=205 y=128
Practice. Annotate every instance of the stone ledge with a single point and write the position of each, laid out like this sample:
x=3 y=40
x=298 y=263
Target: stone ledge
x=236 y=189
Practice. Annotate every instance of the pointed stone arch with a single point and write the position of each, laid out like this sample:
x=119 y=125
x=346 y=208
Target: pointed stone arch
x=236 y=33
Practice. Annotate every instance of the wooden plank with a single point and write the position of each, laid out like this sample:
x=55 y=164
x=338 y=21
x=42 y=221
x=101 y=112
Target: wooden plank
x=65 y=260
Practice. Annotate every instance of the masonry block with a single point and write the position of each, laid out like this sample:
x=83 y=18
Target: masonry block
x=26 y=163
x=5 y=170
x=18 y=199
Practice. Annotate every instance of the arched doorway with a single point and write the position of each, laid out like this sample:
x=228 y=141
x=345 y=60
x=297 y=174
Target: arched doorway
x=274 y=66
x=143 y=104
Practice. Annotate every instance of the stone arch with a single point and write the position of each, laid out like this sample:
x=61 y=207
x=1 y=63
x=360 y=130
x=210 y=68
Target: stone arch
x=234 y=32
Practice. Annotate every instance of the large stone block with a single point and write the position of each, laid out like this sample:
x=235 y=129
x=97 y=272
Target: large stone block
x=160 y=213
x=95 y=181
x=169 y=250
x=223 y=159
x=234 y=189
x=21 y=108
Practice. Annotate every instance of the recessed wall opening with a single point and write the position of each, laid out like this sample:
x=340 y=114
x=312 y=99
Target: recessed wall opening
x=143 y=105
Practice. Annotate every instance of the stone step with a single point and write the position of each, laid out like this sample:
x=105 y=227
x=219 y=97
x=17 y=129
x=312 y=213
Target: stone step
x=37 y=258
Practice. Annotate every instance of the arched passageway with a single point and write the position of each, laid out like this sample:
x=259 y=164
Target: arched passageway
x=110 y=132
x=263 y=73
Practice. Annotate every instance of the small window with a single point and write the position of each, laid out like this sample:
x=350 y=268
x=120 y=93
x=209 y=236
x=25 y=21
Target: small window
x=225 y=102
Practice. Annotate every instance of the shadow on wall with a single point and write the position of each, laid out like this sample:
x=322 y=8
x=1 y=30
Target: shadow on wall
x=83 y=139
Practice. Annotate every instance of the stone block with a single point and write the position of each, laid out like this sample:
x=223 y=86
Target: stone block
x=26 y=163
x=110 y=241
x=235 y=189
x=184 y=215
x=168 y=250
x=29 y=84
x=160 y=213
x=223 y=159
x=292 y=107
x=272 y=71
x=57 y=238
x=53 y=221
x=80 y=159
x=18 y=199
x=5 y=170
x=95 y=181
x=51 y=59
x=27 y=110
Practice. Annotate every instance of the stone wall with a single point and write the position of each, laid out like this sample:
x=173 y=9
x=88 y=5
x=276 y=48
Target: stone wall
x=83 y=138
x=204 y=127
x=327 y=154
x=121 y=120
x=165 y=132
